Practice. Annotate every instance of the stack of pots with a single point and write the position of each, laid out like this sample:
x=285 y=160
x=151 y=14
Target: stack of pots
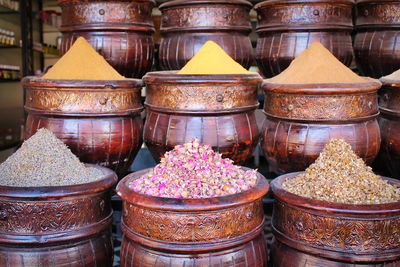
x=217 y=231
x=389 y=122
x=120 y=30
x=217 y=109
x=98 y=120
x=187 y=25
x=57 y=225
x=377 y=41
x=286 y=28
x=301 y=118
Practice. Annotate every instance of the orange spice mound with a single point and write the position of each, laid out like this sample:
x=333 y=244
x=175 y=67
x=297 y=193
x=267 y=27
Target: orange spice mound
x=212 y=59
x=82 y=62
x=316 y=64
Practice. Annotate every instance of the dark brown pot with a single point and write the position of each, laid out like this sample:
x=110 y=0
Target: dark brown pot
x=300 y=120
x=286 y=28
x=377 y=42
x=389 y=122
x=57 y=226
x=98 y=120
x=187 y=25
x=319 y=233
x=217 y=109
x=121 y=31
x=223 y=231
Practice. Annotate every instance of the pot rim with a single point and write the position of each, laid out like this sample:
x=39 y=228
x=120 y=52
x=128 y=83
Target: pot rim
x=63 y=191
x=331 y=207
x=304 y=2
x=61 y=2
x=390 y=82
x=172 y=204
x=175 y=78
x=175 y=3
x=376 y=1
x=323 y=88
x=93 y=84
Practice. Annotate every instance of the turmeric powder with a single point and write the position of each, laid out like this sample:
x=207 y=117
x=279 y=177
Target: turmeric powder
x=212 y=59
x=317 y=65
x=82 y=62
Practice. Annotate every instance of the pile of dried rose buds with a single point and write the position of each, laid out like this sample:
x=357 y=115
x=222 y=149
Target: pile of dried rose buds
x=194 y=171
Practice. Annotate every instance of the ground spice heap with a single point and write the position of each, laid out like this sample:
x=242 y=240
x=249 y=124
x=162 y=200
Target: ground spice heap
x=316 y=64
x=394 y=76
x=44 y=160
x=194 y=171
x=82 y=62
x=212 y=59
x=339 y=175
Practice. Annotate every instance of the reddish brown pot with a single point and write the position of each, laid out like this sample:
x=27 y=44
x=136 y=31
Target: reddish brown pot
x=389 y=122
x=300 y=120
x=187 y=25
x=98 y=120
x=286 y=28
x=57 y=226
x=121 y=31
x=223 y=231
x=217 y=109
x=320 y=233
x=377 y=42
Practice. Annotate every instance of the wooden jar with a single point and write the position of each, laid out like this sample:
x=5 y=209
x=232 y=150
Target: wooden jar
x=300 y=120
x=311 y=232
x=377 y=41
x=389 y=122
x=57 y=226
x=287 y=27
x=219 y=231
x=120 y=30
x=187 y=25
x=217 y=109
x=98 y=120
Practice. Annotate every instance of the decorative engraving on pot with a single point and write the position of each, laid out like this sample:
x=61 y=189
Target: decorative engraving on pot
x=379 y=13
x=194 y=226
x=339 y=233
x=321 y=107
x=185 y=17
x=36 y=217
x=79 y=101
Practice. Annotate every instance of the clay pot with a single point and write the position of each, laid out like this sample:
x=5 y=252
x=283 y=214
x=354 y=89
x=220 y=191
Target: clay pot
x=187 y=25
x=98 y=120
x=121 y=31
x=226 y=231
x=377 y=42
x=286 y=28
x=57 y=226
x=217 y=109
x=389 y=122
x=300 y=120
x=319 y=233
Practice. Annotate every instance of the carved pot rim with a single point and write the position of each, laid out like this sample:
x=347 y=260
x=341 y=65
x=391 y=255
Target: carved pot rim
x=326 y=207
x=322 y=88
x=172 y=77
x=81 y=84
x=377 y=1
x=267 y=3
x=58 y=192
x=189 y=205
x=191 y=3
x=390 y=82
x=62 y=2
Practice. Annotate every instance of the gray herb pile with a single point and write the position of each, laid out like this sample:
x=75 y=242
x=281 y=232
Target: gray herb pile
x=339 y=175
x=44 y=160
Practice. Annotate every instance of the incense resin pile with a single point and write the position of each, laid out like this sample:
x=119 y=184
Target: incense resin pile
x=194 y=170
x=44 y=160
x=339 y=175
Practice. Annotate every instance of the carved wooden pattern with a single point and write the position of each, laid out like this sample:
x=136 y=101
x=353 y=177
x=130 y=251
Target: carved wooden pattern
x=193 y=226
x=378 y=12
